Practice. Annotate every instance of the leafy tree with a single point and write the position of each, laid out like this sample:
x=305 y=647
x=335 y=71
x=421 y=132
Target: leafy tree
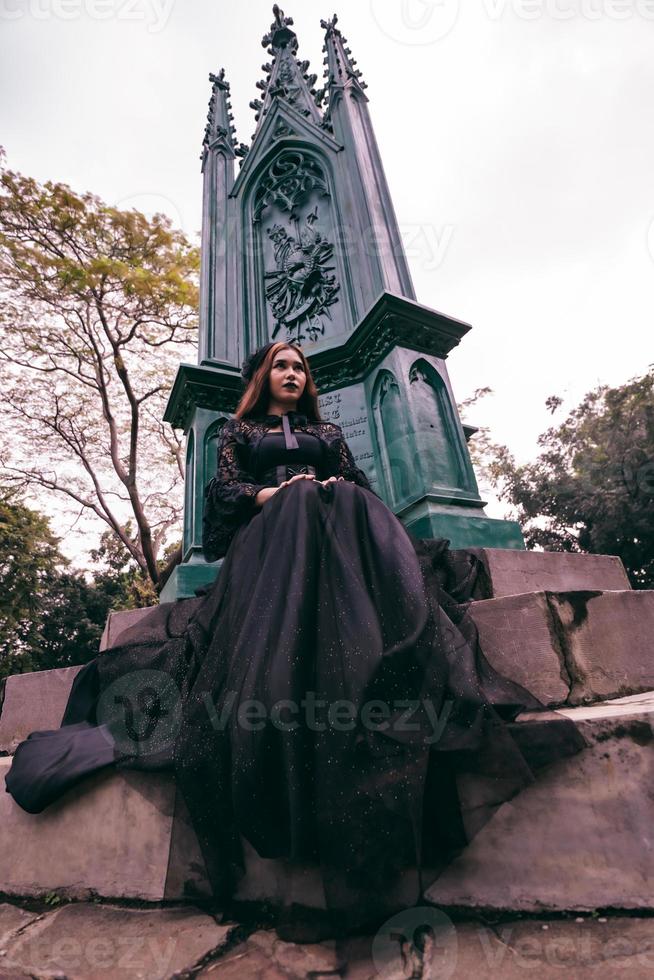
x=28 y=555
x=121 y=578
x=592 y=487
x=97 y=306
x=50 y=615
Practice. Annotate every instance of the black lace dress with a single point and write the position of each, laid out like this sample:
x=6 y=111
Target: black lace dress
x=326 y=698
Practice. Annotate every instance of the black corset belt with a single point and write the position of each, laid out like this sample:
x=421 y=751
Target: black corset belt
x=277 y=474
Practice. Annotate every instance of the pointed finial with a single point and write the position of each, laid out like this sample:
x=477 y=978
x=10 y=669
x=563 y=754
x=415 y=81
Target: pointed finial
x=218 y=81
x=329 y=25
x=219 y=117
x=339 y=61
x=279 y=35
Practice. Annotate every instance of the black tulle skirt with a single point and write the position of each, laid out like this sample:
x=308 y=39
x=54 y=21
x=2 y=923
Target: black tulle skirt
x=326 y=699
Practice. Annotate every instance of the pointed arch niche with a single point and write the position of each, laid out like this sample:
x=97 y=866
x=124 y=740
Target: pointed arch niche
x=201 y=464
x=211 y=444
x=189 y=492
x=392 y=434
x=297 y=279
x=437 y=436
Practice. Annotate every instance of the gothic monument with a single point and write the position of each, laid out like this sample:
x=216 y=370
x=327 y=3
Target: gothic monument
x=303 y=245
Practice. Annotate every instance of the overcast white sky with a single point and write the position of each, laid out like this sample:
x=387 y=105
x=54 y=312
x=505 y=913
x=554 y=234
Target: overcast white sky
x=517 y=137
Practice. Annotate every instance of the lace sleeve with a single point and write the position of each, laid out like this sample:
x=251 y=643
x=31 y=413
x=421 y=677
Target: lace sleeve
x=229 y=497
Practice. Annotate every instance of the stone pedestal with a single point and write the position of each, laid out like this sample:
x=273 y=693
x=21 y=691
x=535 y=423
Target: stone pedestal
x=579 y=838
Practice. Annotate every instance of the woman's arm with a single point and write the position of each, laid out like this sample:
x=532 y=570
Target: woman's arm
x=230 y=496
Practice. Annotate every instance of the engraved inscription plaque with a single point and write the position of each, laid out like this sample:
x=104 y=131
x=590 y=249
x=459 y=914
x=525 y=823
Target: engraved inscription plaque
x=347 y=407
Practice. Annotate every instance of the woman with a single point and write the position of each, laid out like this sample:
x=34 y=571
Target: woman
x=326 y=699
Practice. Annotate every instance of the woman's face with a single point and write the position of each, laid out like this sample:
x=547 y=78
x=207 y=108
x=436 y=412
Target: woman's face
x=287 y=377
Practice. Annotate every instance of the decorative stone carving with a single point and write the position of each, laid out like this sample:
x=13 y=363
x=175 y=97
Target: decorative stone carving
x=282 y=129
x=287 y=83
x=288 y=181
x=302 y=288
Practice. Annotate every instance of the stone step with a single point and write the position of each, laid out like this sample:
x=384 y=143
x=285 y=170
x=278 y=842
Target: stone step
x=579 y=838
x=112 y=837
x=109 y=837
x=571 y=647
x=511 y=572
x=566 y=647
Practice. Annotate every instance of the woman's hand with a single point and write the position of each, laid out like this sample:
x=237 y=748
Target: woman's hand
x=298 y=476
x=269 y=492
x=309 y=476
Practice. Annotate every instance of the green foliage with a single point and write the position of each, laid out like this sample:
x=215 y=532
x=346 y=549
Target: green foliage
x=121 y=579
x=52 y=898
x=28 y=555
x=591 y=489
x=97 y=307
x=51 y=616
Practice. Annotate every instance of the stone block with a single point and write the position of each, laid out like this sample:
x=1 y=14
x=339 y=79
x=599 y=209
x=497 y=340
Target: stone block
x=571 y=647
x=12 y=921
x=120 y=621
x=264 y=955
x=511 y=572
x=110 y=836
x=580 y=837
x=518 y=636
x=33 y=702
x=89 y=942
x=607 y=642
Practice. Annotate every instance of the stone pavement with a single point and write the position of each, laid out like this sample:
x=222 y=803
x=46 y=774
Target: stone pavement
x=98 y=941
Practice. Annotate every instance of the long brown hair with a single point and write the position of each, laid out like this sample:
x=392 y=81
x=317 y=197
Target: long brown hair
x=256 y=397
